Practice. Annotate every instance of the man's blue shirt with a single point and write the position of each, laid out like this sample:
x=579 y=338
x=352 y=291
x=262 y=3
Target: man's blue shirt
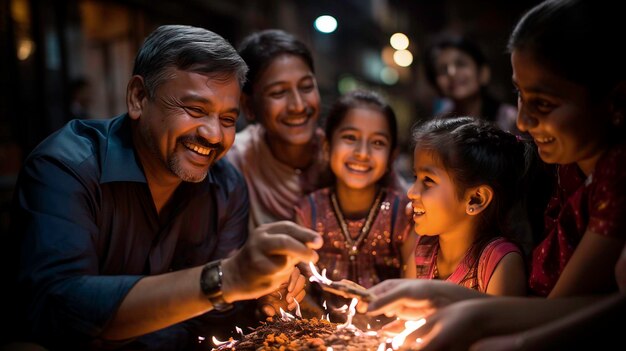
x=88 y=228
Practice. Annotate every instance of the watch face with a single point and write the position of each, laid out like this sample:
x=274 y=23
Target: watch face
x=211 y=279
x=211 y=285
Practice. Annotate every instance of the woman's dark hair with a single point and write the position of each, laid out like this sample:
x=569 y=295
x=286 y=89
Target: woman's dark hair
x=474 y=152
x=260 y=48
x=363 y=99
x=490 y=104
x=577 y=39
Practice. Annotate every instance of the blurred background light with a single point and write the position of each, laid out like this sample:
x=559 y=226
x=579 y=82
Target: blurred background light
x=403 y=58
x=399 y=41
x=326 y=24
x=389 y=75
x=347 y=83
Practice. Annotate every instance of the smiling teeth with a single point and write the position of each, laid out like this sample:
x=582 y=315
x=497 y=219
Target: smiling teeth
x=296 y=121
x=198 y=149
x=545 y=140
x=359 y=168
x=419 y=212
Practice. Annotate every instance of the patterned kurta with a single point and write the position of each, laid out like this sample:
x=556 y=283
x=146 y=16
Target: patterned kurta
x=597 y=203
x=379 y=255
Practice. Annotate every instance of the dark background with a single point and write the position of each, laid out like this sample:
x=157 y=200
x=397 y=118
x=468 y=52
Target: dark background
x=46 y=46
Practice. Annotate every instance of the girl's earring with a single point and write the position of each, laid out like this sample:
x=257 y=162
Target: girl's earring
x=471 y=210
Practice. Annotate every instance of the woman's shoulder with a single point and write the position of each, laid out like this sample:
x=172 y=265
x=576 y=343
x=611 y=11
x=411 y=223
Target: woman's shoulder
x=610 y=167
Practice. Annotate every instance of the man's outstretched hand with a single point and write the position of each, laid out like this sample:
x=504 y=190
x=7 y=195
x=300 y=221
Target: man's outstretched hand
x=267 y=260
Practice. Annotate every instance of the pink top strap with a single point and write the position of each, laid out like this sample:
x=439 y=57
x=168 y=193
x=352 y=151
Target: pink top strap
x=490 y=257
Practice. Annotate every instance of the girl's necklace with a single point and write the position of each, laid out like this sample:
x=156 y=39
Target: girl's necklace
x=353 y=245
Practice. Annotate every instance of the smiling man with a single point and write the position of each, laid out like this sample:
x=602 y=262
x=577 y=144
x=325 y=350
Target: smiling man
x=128 y=231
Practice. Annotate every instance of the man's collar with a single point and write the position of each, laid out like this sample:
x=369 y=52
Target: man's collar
x=120 y=163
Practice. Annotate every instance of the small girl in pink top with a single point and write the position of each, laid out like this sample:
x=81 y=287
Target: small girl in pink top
x=468 y=186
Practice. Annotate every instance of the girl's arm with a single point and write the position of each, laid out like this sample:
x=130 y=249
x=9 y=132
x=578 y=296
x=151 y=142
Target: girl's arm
x=459 y=325
x=590 y=270
x=509 y=277
x=593 y=325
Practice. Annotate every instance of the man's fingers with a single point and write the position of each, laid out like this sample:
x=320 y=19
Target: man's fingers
x=304 y=235
x=393 y=328
x=362 y=306
x=268 y=310
x=395 y=306
x=285 y=245
x=293 y=279
x=382 y=288
x=300 y=296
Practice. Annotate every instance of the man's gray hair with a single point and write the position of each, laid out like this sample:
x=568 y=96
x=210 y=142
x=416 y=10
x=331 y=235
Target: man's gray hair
x=186 y=48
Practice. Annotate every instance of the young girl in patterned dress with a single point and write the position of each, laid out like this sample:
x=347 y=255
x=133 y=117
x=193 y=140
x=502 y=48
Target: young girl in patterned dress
x=469 y=183
x=362 y=220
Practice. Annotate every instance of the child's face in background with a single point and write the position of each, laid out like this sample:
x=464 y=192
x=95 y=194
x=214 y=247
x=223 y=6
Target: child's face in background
x=436 y=207
x=360 y=148
x=458 y=75
x=286 y=100
x=565 y=123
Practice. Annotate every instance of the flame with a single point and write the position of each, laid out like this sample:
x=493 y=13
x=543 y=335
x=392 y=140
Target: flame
x=317 y=277
x=410 y=326
x=398 y=340
x=239 y=330
x=285 y=316
x=298 y=312
x=229 y=343
x=351 y=313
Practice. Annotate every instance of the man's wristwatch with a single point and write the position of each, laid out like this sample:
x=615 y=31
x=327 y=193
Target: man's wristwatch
x=211 y=285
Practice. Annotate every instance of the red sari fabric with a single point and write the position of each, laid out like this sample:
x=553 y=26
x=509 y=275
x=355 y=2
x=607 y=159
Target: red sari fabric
x=596 y=203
